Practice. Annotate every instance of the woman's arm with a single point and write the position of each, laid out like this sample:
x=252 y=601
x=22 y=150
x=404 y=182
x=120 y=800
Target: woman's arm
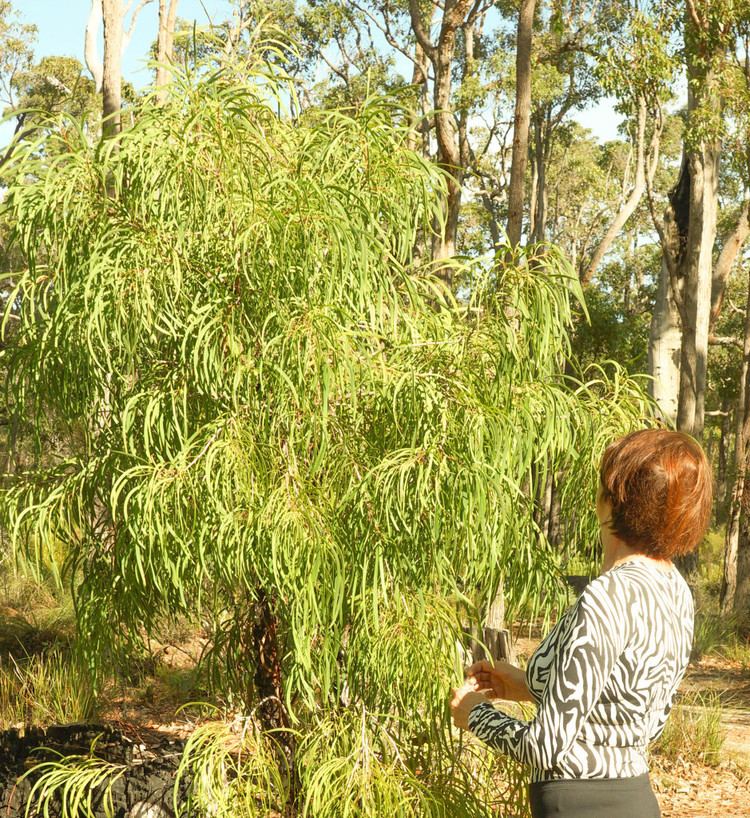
x=585 y=656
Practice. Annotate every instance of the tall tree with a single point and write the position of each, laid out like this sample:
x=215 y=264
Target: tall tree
x=107 y=73
x=737 y=538
x=164 y=45
x=521 y=120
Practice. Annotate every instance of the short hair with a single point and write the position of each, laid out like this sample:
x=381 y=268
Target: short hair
x=659 y=485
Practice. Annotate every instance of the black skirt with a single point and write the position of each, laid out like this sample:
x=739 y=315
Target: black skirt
x=594 y=798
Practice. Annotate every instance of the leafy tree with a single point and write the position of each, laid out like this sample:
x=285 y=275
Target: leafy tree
x=286 y=426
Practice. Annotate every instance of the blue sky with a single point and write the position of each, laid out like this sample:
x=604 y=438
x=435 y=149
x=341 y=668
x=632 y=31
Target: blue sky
x=61 y=25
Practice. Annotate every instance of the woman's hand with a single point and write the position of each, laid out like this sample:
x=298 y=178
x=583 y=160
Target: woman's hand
x=501 y=681
x=464 y=699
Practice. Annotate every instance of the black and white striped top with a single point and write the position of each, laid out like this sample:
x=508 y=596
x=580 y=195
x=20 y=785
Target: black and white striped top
x=604 y=678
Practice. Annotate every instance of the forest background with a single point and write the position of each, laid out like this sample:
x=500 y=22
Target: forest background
x=313 y=337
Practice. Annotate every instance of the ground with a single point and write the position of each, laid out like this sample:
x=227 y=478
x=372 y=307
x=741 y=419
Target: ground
x=691 y=790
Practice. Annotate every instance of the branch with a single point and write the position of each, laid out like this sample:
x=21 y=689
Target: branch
x=725 y=341
x=338 y=71
x=452 y=18
x=643 y=177
x=419 y=32
x=131 y=28
x=385 y=29
x=694 y=16
x=729 y=252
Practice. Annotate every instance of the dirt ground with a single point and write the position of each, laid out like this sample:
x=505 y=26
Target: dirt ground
x=697 y=791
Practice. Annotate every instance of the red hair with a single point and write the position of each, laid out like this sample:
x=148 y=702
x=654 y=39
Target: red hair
x=659 y=485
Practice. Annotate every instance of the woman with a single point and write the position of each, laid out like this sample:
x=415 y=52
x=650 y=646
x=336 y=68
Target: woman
x=604 y=678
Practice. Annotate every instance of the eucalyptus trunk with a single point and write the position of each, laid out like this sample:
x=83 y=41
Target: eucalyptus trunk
x=665 y=342
x=737 y=539
x=164 y=45
x=113 y=14
x=521 y=118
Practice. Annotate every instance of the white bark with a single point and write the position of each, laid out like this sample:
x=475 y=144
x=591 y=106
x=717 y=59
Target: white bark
x=167 y=17
x=90 y=51
x=665 y=343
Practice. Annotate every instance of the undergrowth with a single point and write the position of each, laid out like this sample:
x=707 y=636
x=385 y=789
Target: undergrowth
x=693 y=731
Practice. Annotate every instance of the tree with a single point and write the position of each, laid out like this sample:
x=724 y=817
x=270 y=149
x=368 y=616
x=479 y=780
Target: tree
x=165 y=41
x=288 y=427
x=737 y=540
x=107 y=74
x=16 y=56
x=563 y=82
x=520 y=121
x=636 y=66
x=690 y=284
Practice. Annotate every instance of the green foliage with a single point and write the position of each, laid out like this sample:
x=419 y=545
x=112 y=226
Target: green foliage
x=234 y=771
x=69 y=786
x=270 y=399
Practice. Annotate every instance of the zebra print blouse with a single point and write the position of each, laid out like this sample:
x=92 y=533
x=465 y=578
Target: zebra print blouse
x=604 y=678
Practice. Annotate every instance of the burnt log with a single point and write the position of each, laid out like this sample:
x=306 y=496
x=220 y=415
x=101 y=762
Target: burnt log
x=145 y=790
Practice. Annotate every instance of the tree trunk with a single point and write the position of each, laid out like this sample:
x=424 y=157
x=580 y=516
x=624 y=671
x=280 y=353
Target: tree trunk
x=742 y=594
x=534 y=193
x=495 y=636
x=93 y=63
x=271 y=709
x=112 y=74
x=665 y=341
x=704 y=54
x=540 y=209
x=520 y=122
x=167 y=17
x=730 y=249
x=737 y=538
x=441 y=56
x=722 y=466
x=698 y=270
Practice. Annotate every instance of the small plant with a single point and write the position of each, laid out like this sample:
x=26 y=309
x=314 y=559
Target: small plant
x=712 y=634
x=234 y=771
x=693 y=731
x=71 y=784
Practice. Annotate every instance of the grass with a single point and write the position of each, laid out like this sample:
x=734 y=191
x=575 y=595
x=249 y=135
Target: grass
x=49 y=688
x=715 y=634
x=693 y=731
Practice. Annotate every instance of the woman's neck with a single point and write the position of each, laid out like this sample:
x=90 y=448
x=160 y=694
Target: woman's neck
x=617 y=551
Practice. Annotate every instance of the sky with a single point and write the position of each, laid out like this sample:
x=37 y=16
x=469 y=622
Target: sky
x=61 y=25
